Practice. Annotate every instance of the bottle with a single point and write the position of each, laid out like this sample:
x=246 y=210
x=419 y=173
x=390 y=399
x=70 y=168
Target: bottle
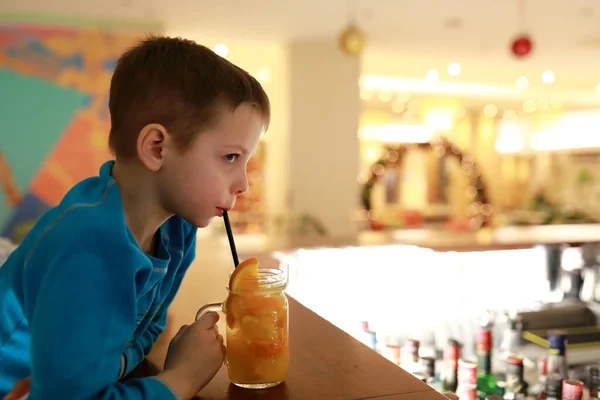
x=467 y=380
x=572 y=390
x=553 y=389
x=392 y=353
x=467 y=393
x=449 y=373
x=557 y=358
x=410 y=357
x=516 y=387
x=486 y=382
x=594 y=383
x=428 y=368
x=511 y=339
x=537 y=390
x=412 y=350
x=366 y=335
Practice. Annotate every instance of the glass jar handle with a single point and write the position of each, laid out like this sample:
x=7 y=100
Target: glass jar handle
x=218 y=307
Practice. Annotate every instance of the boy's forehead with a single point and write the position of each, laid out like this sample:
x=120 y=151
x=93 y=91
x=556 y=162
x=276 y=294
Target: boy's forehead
x=240 y=125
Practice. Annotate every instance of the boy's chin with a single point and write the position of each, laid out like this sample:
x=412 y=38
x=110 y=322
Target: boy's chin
x=203 y=222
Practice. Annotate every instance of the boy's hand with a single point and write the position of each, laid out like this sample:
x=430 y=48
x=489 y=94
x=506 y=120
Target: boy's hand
x=195 y=355
x=20 y=390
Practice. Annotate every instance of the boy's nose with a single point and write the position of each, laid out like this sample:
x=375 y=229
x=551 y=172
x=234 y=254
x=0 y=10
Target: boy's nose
x=242 y=186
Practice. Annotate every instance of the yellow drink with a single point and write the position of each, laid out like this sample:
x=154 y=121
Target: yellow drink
x=257 y=332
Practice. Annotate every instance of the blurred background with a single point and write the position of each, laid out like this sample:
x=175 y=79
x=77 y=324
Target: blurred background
x=433 y=152
x=453 y=115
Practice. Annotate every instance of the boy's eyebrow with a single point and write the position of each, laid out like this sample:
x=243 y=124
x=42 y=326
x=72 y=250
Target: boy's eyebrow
x=239 y=147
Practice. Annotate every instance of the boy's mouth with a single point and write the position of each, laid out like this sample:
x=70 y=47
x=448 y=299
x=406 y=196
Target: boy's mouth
x=221 y=209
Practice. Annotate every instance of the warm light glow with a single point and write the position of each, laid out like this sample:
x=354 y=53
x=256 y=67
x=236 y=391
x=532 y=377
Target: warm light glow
x=576 y=130
x=384 y=293
x=432 y=76
x=491 y=92
x=509 y=114
x=529 y=106
x=440 y=119
x=598 y=89
x=548 y=77
x=490 y=110
x=385 y=95
x=404 y=85
x=510 y=137
x=543 y=105
x=398 y=107
x=366 y=95
x=371 y=153
x=555 y=102
x=454 y=69
x=221 y=50
x=263 y=76
x=403 y=97
x=392 y=133
x=522 y=83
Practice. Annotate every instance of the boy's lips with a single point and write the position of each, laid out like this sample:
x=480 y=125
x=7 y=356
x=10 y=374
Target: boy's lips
x=221 y=209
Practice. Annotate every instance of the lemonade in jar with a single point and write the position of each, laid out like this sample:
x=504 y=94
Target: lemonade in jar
x=257 y=326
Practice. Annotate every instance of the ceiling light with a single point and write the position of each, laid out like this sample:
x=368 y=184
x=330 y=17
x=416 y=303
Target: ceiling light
x=548 y=77
x=263 y=76
x=522 y=83
x=432 y=76
x=490 y=110
x=221 y=50
x=454 y=69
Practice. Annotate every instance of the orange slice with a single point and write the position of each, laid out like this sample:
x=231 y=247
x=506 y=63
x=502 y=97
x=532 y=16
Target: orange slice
x=244 y=276
x=232 y=310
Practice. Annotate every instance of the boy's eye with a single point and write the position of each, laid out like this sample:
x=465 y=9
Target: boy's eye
x=230 y=158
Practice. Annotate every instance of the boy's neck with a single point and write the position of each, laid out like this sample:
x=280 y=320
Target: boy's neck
x=143 y=213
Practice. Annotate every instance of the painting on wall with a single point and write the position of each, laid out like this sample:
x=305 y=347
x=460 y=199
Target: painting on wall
x=53 y=115
x=54 y=119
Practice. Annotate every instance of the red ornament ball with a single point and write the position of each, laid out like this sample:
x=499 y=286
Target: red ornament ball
x=522 y=46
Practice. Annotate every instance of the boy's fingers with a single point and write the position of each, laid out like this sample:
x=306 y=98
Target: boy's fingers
x=208 y=320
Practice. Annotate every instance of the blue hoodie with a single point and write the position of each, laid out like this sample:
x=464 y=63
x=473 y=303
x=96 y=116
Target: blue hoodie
x=81 y=304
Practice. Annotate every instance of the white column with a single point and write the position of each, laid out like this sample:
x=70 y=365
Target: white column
x=324 y=146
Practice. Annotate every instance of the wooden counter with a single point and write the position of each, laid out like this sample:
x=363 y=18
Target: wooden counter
x=328 y=364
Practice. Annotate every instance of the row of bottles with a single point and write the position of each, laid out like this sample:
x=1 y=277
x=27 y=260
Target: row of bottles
x=469 y=379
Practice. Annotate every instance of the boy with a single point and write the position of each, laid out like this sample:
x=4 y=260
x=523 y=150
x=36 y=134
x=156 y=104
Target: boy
x=85 y=296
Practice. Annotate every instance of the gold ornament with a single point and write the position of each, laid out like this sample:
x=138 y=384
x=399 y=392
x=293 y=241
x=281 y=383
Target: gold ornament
x=352 y=40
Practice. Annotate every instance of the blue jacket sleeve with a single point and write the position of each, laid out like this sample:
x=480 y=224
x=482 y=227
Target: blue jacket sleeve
x=141 y=348
x=80 y=322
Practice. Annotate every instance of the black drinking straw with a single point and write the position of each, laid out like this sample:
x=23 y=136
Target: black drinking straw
x=236 y=260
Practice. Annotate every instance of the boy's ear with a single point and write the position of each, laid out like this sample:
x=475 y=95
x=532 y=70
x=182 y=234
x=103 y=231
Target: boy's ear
x=152 y=144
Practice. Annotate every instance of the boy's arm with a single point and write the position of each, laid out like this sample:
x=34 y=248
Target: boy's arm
x=141 y=348
x=81 y=320
x=135 y=354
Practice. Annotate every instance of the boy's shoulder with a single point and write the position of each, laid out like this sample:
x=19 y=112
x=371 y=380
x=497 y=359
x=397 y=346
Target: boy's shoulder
x=91 y=215
x=91 y=210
